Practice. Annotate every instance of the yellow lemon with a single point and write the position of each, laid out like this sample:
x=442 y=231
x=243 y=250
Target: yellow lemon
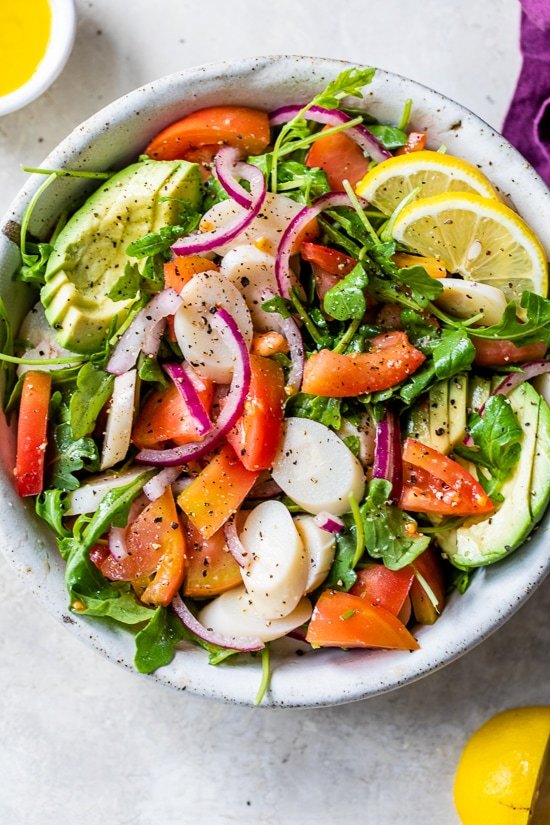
x=478 y=238
x=501 y=769
x=387 y=184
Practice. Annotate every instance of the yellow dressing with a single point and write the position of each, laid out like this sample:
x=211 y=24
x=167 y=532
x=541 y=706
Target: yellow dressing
x=25 y=27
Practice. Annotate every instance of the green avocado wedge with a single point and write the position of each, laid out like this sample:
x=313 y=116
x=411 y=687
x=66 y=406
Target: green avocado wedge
x=89 y=255
x=526 y=493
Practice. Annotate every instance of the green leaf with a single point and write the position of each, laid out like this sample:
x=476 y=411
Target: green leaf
x=349 y=83
x=390 y=533
x=156 y=242
x=325 y=410
x=156 y=642
x=454 y=352
x=535 y=327
x=418 y=383
x=422 y=286
x=150 y=370
x=50 y=506
x=70 y=457
x=346 y=299
x=300 y=182
x=277 y=304
x=342 y=576
x=127 y=285
x=497 y=436
x=153 y=274
x=94 y=387
x=353 y=444
x=33 y=269
x=121 y=606
x=391 y=137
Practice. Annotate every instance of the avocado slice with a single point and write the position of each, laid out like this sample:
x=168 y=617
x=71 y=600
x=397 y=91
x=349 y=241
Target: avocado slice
x=458 y=412
x=89 y=255
x=439 y=417
x=479 y=542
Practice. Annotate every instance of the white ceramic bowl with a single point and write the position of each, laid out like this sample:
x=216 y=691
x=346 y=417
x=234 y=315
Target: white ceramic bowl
x=57 y=53
x=113 y=137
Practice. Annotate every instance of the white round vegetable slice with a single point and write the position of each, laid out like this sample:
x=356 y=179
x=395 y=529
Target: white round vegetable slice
x=316 y=469
x=467 y=298
x=232 y=613
x=265 y=230
x=365 y=432
x=277 y=571
x=198 y=340
x=119 y=420
x=542 y=386
x=320 y=546
x=252 y=271
x=86 y=499
x=35 y=327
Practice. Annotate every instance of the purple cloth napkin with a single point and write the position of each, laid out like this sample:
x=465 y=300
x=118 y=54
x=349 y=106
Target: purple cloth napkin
x=527 y=124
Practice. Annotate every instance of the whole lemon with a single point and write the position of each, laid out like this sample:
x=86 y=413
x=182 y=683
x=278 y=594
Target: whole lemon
x=501 y=768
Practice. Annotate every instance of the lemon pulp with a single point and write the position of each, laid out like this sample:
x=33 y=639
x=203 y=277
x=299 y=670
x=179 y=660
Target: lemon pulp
x=24 y=34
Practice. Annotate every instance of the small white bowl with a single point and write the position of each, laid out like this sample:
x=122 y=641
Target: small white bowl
x=59 y=47
x=111 y=139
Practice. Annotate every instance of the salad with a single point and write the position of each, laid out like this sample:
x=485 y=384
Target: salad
x=285 y=374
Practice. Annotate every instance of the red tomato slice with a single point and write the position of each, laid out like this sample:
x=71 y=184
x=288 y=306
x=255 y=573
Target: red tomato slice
x=178 y=273
x=247 y=129
x=166 y=417
x=391 y=360
x=156 y=545
x=32 y=433
x=416 y=142
x=498 y=353
x=434 y=483
x=340 y=158
x=257 y=435
x=428 y=564
x=384 y=588
x=328 y=265
x=217 y=492
x=211 y=569
x=343 y=620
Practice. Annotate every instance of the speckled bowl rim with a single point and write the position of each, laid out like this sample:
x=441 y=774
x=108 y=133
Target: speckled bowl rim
x=113 y=136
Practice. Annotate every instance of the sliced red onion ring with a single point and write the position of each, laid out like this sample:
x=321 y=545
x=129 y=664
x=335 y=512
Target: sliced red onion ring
x=528 y=371
x=265 y=489
x=388 y=462
x=234 y=544
x=180 y=375
x=151 y=342
x=326 y=521
x=228 y=168
x=209 y=241
x=142 y=330
x=157 y=485
x=117 y=543
x=230 y=334
x=246 y=645
x=290 y=329
x=333 y=117
x=293 y=231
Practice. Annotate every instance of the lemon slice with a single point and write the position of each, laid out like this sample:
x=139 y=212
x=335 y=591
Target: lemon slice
x=387 y=184
x=478 y=238
x=502 y=768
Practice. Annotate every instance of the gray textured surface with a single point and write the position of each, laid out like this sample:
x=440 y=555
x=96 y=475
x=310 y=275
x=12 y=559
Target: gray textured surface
x=83 y=741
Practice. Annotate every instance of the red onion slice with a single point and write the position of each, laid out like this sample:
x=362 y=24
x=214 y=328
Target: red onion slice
x=142 y=330
x=117 y=543
x=157 y=485
x=242 y=643
x=293 y=231
x=528 y=371
x=334 y=117
x=326 y=521
x=228 y=168
x=388 y=462
x=290 y=329
x=180 y=375
x=265 y=489
x=209 y=241
x=234 y=544
x=151 y=342
x=230 y=334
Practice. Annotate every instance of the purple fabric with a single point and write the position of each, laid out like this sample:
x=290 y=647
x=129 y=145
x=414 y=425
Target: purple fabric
x=527 y=124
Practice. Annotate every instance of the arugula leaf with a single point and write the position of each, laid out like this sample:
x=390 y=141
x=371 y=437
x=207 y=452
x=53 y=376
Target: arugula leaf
x=50 y=506
x=157 y=242
x=156 y=642
x=149 y=370
x=346 y=299
x=461 y=580
x=353 y=444
x=277 y=304
x=121 y=606
x=325 y=410
x=349 y=83
x=390 y=533
x=422 y=286
x=127 y=285
x=213 y=191
x=300 y=182
x=71 y=456
x=417 y=383
x=497 y=437
x=153 y=274
x=391 y=137
x=94 y=387
x=342 y=576
x=454 y=352
x=33 y=269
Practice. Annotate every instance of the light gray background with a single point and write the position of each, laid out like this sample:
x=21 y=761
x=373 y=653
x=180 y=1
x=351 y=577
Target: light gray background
x=84 y=742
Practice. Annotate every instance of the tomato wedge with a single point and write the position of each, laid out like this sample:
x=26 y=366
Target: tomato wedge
x=32 y=433
x=179 y=272
x=340 y=158
x=391 y=359
x=156 y=545
x=247 y=129
x=498 y=353
x=428 y=564
x=217 y=492
x=384 y=588
x=257 y=435
x=211 y=569
x=344 y=620
x=329 y=266
x=416 y=142
x=434 y=483
x=166 y=417
x=269 y=343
